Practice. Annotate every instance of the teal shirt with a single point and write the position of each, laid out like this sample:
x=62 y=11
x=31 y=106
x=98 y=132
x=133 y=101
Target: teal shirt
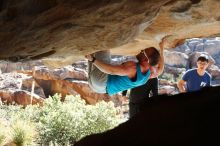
x=117 y=83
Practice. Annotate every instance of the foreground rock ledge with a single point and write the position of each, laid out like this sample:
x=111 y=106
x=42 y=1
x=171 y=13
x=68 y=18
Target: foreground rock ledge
x=183 y=119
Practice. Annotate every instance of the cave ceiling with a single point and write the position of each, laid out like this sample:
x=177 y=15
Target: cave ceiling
x=61 y=32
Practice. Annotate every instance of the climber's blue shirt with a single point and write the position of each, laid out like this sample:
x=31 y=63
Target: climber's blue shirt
x=117 y=83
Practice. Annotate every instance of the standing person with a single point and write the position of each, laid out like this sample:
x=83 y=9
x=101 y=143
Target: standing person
x=111 y=79
x=195 y=79
x=141 y=94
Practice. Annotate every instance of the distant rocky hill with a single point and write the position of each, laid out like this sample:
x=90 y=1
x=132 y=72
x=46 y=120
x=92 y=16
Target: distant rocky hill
x=209 y=45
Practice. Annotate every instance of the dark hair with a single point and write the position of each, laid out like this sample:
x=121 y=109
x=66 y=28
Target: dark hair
x=203 y=58
x=153 y=55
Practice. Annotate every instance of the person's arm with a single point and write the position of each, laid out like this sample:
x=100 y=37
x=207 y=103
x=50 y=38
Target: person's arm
x=122 y=70
x=181 y=86
x=161 y=62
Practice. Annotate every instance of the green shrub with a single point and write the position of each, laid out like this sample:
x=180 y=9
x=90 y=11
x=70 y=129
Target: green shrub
x=60 y=123
x=2 y=134
x=66 y=122
x=22 y=133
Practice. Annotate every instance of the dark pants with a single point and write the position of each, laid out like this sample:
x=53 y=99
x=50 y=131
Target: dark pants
x=140 y=95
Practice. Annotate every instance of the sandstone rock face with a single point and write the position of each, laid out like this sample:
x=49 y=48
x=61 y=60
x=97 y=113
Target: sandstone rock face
x=17 y=88
x=69 y=81
x=42 y=72
x=178 y=20
x=39 y=82
x=20 y=97
x=71 y=87
x=62 y=32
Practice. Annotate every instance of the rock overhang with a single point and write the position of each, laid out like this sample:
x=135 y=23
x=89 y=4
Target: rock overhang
x=61 y=32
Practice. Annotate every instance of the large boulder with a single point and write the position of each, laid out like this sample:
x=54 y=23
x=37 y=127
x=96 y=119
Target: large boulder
x=44 y=73
x=20 y=97
x=214 y=71
x=213 y=48
x=76 y=87
x=176 y=59
x=20 y=89
x=174 y=70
